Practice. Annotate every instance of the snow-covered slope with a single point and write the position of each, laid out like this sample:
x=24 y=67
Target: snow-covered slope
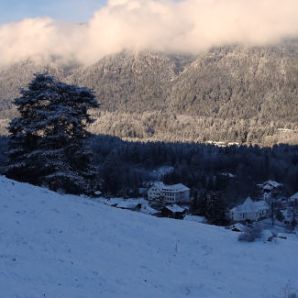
x=65 y=246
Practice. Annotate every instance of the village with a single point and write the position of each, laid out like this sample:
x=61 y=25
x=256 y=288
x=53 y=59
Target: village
x=272 y=207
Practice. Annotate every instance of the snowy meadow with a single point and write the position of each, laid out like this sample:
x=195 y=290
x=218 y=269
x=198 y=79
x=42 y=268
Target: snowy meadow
x=56 y=245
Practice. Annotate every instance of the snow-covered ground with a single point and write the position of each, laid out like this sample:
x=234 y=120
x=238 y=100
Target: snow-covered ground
x=55 y=245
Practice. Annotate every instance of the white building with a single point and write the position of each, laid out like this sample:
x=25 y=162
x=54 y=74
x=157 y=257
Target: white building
x=250 y=210
x=294 y=199
x=177 y=193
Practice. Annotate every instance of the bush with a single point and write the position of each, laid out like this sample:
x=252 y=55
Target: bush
x=251 y=233
x=279 y=216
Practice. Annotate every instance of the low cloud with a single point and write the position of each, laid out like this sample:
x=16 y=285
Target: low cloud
x=176 y=26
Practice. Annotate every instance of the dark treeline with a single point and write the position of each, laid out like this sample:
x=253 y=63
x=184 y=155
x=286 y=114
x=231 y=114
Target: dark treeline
x=124 y=167
x=3 y=153
x=233 y=171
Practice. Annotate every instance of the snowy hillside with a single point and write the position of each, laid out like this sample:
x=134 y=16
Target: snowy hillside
x=65 y=246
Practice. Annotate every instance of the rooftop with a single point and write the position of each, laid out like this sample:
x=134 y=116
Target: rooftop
x=175 y=208
x=270 y=184
x=294 y=196
x=251 y=206
x=174 y=187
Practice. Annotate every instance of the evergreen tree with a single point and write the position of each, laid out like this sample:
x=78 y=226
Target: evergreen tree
x=113 y=174
x=199 y=204
x=47 y=140
x=215 y=209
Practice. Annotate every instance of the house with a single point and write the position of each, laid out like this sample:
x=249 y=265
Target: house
x=250 y=210
x=294 y=199
x=173 y=211
x=140 y=205
x=129 y=204
x=177 y=193
x=147 y=209
x=270 y=189
x=270 y=185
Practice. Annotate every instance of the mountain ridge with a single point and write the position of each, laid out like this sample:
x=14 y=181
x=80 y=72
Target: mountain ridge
x=228 y=84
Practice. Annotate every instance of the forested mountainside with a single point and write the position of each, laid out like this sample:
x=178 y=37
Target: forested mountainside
x=233 y=94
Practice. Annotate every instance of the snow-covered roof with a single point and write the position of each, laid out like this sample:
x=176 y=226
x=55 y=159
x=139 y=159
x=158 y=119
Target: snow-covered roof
x=175 y=208
x=129 y=204
x=261 y=205
x=113 y=201
x=251 y=206
x=247 y=206
x=270 y=185
x=124 y=203
x=148 y=210
x=294 y=196
x=174 y=187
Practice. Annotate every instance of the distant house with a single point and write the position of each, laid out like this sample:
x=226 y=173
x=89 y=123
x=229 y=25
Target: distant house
x=270 y=188
x=177 y=193
x=130 y=204
x=250 y=210
x=294 y=199
x=173 y=211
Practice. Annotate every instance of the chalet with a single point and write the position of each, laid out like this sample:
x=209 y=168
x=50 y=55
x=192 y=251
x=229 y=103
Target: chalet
x=270 y=185
x=140 y=205
x=129 y=204
x=294 y=199
x=177 y=193
x=173 y=211
x=270 y=189
x=250 y=211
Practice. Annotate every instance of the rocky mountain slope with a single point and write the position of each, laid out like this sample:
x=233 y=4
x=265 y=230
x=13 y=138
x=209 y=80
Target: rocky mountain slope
x=249 y=93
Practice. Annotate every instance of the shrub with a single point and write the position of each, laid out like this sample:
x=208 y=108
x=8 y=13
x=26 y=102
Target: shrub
x=251 y=233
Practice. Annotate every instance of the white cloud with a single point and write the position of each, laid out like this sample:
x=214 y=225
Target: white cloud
x=185 y=26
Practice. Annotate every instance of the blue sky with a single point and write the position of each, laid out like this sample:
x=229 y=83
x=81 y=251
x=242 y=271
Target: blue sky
x=67 y=10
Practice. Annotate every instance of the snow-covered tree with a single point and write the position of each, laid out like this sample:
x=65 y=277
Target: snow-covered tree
x=47 y=140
